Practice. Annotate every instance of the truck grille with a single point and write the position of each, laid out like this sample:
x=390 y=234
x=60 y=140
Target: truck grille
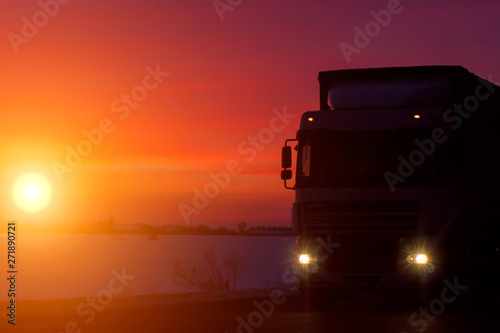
x=361 y=217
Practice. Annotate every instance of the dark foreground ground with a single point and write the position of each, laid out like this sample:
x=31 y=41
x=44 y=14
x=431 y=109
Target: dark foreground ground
x=368 y=313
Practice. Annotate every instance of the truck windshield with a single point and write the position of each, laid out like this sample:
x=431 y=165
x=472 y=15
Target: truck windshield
x=358 y=159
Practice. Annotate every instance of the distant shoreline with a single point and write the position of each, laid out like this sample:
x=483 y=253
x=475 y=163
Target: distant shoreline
x=154 y=231
x=155 y=234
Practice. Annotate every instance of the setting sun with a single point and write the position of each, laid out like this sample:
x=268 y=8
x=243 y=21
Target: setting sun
x=32 y=192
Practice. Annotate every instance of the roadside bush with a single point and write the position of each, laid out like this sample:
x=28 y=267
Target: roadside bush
x=210 y=274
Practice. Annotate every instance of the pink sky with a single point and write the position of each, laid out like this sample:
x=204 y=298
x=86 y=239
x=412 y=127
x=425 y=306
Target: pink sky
x=225 y=79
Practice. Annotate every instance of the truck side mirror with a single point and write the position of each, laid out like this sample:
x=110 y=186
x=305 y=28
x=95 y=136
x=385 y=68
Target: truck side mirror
x=286 y=174
x=286 y=163
x=286 y=158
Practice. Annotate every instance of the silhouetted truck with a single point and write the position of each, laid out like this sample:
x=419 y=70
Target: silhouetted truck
x=397 y=181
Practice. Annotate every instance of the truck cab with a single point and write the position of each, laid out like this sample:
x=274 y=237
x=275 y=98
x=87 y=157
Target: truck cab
x=396 y=179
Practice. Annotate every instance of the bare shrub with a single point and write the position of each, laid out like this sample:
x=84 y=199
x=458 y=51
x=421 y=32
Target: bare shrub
x=209 y=274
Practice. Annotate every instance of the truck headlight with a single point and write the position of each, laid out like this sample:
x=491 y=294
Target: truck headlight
x=419 y=258
x=306 y=259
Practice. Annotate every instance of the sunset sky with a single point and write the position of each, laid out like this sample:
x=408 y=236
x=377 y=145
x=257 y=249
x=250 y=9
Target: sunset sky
x=229 y=74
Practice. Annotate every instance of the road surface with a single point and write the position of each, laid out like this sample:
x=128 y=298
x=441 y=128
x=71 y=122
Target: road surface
x=276 y=313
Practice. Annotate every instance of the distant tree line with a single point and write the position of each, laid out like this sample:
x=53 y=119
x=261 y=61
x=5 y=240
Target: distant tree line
x=110 y=226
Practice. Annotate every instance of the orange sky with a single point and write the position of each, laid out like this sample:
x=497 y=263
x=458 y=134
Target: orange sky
x=225 y=79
